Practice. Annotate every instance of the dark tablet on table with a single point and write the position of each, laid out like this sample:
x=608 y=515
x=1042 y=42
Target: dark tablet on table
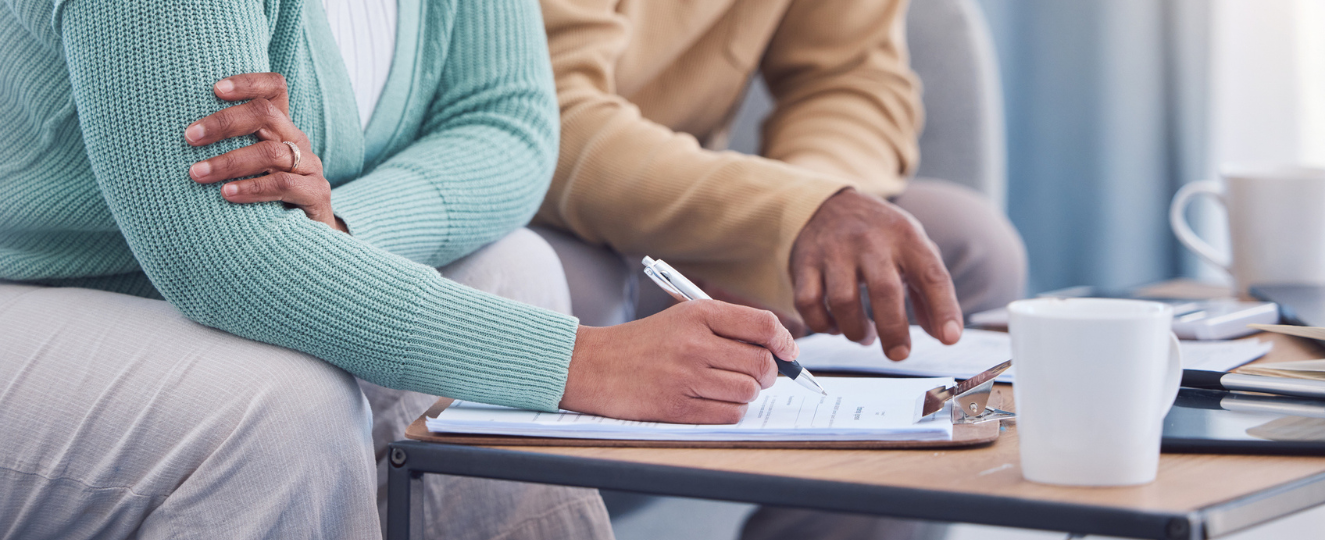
x=1219 y=422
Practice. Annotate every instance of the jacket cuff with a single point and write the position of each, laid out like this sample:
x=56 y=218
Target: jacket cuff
x=476 y=346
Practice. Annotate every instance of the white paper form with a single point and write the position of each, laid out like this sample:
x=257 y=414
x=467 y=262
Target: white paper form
x=856 y=409
x=979 y=350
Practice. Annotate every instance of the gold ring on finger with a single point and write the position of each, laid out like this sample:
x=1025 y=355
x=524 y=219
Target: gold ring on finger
x=294 y=148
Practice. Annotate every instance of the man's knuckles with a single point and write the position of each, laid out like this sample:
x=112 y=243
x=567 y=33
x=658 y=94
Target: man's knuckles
x=807 y=299
x=886 y=288
x=933 y=274
x=844 y=300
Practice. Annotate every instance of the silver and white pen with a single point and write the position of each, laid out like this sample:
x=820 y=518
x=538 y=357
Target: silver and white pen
x=683 y=289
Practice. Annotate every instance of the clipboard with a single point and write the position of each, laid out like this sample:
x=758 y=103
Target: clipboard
x=963 y=435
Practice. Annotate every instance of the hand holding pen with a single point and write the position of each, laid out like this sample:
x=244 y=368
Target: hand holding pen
x=695 y=363
x=684 y=290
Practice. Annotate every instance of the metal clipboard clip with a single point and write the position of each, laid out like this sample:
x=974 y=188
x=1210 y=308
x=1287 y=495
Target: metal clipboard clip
x=969 y=398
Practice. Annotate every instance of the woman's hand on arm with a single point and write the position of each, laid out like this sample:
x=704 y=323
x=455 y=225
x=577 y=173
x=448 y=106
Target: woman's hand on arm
x=280 y=173
x=698 y=362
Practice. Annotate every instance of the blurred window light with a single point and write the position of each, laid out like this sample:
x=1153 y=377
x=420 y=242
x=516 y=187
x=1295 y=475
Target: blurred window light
x=1311 y=87
x=1267 y=93
x=1267 y=82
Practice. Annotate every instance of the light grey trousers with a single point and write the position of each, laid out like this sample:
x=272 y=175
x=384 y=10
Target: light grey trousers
x=119 y=418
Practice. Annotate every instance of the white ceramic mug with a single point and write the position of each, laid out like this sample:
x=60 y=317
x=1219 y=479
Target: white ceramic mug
x=1095 y=378
x=1276 y=218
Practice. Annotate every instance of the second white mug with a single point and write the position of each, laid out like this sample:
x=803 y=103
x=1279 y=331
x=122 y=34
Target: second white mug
x=1276 y=218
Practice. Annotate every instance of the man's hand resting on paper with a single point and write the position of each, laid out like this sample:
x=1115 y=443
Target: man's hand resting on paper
x=856 y=239
x=698 y=362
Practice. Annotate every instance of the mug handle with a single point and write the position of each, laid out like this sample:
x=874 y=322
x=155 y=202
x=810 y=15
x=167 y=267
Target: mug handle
x=1185 y=234
x=1173 y=376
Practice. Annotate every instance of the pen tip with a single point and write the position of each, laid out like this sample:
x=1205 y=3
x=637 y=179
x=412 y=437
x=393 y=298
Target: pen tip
x=824 y=392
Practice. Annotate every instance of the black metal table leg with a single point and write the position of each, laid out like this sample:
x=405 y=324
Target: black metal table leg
x=404 y=506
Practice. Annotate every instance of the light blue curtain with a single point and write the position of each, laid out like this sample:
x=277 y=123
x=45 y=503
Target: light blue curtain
x=1105 y=120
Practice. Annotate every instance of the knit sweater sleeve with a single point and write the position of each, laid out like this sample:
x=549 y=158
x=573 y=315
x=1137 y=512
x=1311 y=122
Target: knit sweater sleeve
x=848 y=103
x=141 y=72
x=481 y=164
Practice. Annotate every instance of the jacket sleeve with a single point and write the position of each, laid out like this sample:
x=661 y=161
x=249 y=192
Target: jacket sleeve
x=848 y=104
x=142 y=71
x=640 y=188
x=486 y=149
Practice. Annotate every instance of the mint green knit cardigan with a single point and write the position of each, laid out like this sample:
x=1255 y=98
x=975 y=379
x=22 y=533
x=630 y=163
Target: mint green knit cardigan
x=94 y=192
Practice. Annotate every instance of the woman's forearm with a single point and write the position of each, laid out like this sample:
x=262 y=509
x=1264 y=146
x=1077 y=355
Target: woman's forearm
x=140 y=74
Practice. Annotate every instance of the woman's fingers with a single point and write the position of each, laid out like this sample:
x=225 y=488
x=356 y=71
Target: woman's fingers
x=260 y=117
x=731 y=387
x=266 y=114
x=268 y=86
x=708 y=411
x=296 y=189
x=282 y=163
x=263 y=157
x=310 y=193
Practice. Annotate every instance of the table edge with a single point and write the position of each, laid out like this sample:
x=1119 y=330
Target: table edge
x=902 y=502
x=1245 y=512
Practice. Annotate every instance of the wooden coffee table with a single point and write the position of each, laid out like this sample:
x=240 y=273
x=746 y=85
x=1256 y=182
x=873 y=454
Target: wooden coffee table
x=1196 y=496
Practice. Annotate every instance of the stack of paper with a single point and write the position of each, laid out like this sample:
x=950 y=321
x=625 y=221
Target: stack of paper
x=1309 y=332
x=1305 y=369
x=856 y=409
x=979 y=350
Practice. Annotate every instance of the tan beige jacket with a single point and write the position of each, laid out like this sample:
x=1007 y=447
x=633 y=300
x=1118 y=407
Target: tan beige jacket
x=641 y=82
